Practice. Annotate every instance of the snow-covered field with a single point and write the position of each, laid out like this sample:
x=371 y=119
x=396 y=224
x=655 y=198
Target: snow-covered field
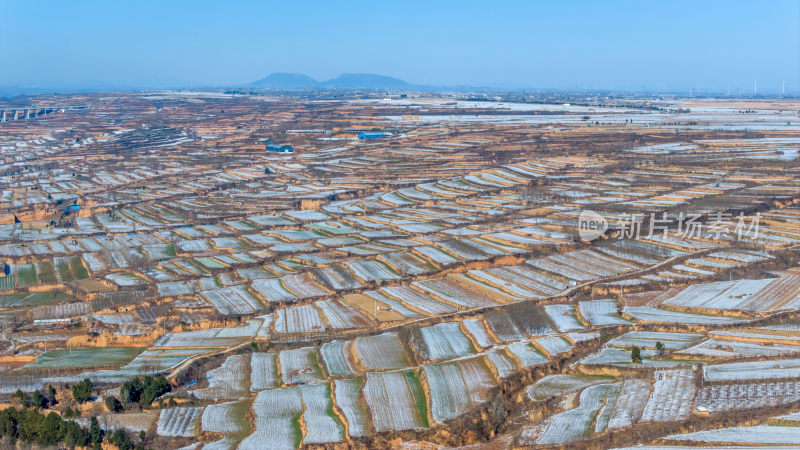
x=277 y=412
x=228 y=381
x=391 y=400
x=672 y=396
x=179 y=421
x=444 y=341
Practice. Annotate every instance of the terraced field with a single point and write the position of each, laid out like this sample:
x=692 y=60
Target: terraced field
x=430 y=284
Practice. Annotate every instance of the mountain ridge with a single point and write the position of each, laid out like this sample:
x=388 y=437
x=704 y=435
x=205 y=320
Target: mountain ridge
x=288 y=80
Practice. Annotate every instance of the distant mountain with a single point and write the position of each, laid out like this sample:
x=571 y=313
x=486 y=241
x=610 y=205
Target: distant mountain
x=292 y=81
x=283 y=80
x=365 y=81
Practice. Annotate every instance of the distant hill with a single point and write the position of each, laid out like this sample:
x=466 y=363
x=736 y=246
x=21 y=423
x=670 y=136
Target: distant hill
x=292 y=81
x=282 y=80
x=365 y=81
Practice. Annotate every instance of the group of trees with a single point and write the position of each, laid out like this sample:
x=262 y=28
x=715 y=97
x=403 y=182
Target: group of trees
x=636 y=352
x=82 y=392
x=143 y=390
x=39 y=399
x=31 y=426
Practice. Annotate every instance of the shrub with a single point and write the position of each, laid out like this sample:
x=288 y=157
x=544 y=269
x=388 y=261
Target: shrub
x=636 y=354
x=113 y=404
x=121 y=439
x=82 y=391
x=39 y=400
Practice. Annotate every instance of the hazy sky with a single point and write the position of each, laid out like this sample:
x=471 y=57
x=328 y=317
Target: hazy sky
x=657 y=45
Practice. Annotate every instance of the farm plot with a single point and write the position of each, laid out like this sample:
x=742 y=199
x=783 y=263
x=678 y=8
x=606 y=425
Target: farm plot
x=126 y=279
x=611 y=356
x=503 y=327
x=303 y=286
x=394 y=402
x=372 y=270
x=576 y=424
x=264 y=371
x=380 y=306
x=198 y=339
x=337 y=358
x=407 y=263
x=755 y=370
x=130 y=422
x=672 y=396
x=342 y=316
x=725 y=348
x=271 y=290
x=321 y=424
x=718 y=295
x=648 y=339
x=227 y=418
x=442 y=341
x=563 y=316
x=335 y=277
x=277 y=414
x=248 y=330
x=25 y=274
x=70 y=268
x=179 y=421
x=526 y=353
x=299 y=319
x=503 y=362
x=746 y=436
x=781 y=294
x=381 y=352
x=300 y=366
x=582 y=260
x=529 y=278
x=228 y=381
x=724 y=397
x=436 y=255
x=519 y=319
x=346 y=393
x=559 y=385
x=630 y=403
x=650 y=314
x=418 y=300
x=477 y=329
x=35 y=299
x=176 y=288
x=454 y=294
x=235 y=300
x=88 y=357
x=553 y=345
x=457 y=386
x=61 y=311
x=548 y=264
x=158 y=252
x=467 y=250
x=508 y=287
x=600 y=312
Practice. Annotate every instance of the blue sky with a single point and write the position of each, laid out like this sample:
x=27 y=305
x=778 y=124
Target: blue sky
x=633 y=45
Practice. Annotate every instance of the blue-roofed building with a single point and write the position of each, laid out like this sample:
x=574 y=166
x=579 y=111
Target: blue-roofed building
x=372 y=135
x=279 y=148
